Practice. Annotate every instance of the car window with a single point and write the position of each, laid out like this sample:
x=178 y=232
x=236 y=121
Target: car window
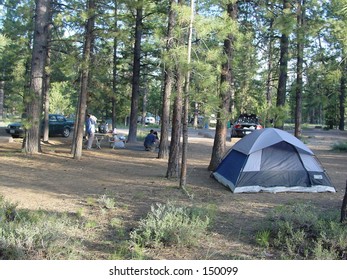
x=52 y=119
x=248 y=119
x=60 y=118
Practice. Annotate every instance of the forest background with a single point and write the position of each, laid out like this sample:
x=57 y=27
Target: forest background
x=282 y=60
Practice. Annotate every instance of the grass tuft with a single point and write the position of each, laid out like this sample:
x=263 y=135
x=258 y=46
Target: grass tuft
x=301 y=231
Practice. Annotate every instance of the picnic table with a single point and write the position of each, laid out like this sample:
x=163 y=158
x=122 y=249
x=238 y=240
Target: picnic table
x=109 y=138
x=98 y=137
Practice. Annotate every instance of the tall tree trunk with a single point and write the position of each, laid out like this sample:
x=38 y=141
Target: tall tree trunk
x=47 y=81
x=46 y=97
x=269 y=82
x=168 y=81
x=2 y=93
x=282 y=81
x=343 y=94
x=344 y=207
x=174 y=154
x=82 y=103
x=226 y=92
x=144 y=98
x=115 y=62
x=196 y=115
x=299 y=66
x=136 y=75
x=183 y=176
x=34 y=97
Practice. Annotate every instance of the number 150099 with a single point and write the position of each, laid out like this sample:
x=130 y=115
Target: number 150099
x=215 y=270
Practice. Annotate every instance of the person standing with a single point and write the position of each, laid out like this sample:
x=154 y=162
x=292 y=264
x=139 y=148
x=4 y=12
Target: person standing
x=90 y=129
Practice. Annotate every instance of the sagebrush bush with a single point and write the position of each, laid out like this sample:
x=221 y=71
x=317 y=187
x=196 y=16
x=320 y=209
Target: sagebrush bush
x=167 y=224
x=340 y=147
x=301 y=231
x=34 y=234
x=107 y=202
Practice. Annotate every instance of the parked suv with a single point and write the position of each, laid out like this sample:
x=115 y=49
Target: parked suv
x=58 y=125
x=245 y=124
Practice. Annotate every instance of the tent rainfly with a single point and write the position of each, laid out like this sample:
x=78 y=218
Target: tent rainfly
x=272 y=160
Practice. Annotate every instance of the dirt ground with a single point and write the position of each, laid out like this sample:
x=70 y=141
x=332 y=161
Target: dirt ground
x=55 y=182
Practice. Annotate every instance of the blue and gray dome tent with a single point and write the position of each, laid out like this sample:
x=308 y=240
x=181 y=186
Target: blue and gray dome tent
x=272 y=160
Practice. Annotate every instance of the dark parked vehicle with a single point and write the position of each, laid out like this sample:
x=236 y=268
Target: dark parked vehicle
x=245 y=124
x=58 y=125
x=15 y=129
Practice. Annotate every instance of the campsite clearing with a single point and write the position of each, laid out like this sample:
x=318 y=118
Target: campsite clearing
x=134 y=178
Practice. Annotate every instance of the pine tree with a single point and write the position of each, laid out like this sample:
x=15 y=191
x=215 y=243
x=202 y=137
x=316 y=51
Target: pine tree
x=31 y=142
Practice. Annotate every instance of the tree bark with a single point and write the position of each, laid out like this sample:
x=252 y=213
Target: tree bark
x=132 y=137
x=269 y=81
x=299 y=66
x=282 y=81
x=183 y=175
x=226 y=92
x=2 y=93
x=342 y=96
x=168 y=81
x=174 y=155
x=82 y=103
x=47 y=80
x=114 y=72
x=144 y=99
x=34 y=96
x=344 y=207
x=175 y=147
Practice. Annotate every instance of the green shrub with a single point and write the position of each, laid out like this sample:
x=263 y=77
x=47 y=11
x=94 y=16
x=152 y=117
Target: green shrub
x=300 y=231
x=107 y=202
x=34 y=234
x=340 y=147
x=168 y=224
x=263 y=238
x=127 y=251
